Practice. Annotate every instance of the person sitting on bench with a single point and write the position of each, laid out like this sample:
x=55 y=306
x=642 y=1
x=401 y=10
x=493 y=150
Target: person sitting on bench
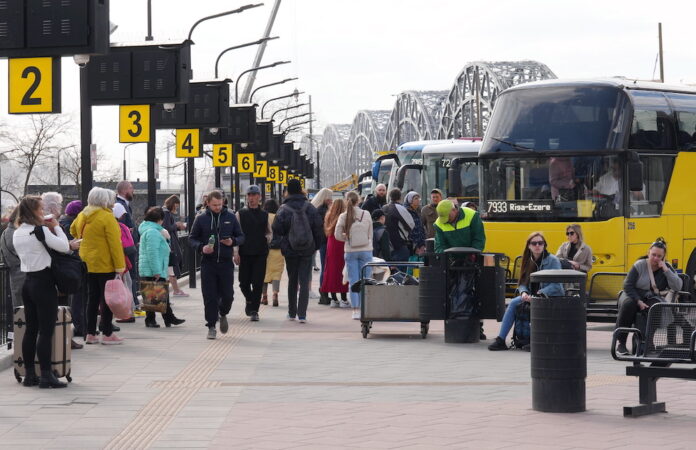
x=643 y=287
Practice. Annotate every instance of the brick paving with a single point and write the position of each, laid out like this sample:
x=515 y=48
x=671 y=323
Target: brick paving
x=278 y=384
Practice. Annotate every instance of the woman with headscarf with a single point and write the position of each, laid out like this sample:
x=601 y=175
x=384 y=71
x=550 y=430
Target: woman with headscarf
x=322 y=201
x=417 y=234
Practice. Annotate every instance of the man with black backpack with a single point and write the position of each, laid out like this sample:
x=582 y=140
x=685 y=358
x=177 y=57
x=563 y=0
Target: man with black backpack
x=298 y=230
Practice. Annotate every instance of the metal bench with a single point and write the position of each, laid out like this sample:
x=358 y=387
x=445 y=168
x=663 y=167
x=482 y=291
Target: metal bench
x=603 y=296
x=670 y=338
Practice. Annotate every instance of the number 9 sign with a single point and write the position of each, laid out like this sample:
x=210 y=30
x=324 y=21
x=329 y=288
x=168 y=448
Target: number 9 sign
x=134 y=123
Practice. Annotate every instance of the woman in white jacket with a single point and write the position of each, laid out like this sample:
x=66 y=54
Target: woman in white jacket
x=354 y=227
x=39 y=292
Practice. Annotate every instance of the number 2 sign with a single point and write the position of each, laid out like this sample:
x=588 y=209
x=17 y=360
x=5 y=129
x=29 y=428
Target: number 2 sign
x=34 y=85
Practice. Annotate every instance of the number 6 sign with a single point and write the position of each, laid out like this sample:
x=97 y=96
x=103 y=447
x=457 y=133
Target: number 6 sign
x=245 y=163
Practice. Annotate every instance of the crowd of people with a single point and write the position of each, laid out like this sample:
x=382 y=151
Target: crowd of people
x=261 y=241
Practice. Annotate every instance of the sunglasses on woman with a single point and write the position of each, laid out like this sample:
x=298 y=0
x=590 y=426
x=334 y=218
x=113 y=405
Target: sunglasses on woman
x=536 y=242
x=570 y=233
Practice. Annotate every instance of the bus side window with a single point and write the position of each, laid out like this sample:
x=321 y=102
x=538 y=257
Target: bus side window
x=686 y=133
x=657 y=171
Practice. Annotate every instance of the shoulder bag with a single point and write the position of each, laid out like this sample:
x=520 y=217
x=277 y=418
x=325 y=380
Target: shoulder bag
x=67 y=269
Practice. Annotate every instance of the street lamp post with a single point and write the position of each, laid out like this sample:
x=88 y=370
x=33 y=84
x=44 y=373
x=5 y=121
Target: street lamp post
x=295 y=126
x=299 y=105
x=248 y=44
x=267 y=66
x=222 y=14
x=292 y=117
x=295 y=94
x=125 y=147
x=251 y=97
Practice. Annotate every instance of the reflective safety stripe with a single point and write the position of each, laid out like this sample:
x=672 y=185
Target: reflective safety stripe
x=464 y=222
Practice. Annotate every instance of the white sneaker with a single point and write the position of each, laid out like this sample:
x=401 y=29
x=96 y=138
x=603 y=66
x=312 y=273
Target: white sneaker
x=356 y=314
x=289 y=317
x=345 y=304
x=335 y=304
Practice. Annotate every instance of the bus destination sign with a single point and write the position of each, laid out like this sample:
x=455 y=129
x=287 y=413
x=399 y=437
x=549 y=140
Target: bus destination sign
x=522 y=207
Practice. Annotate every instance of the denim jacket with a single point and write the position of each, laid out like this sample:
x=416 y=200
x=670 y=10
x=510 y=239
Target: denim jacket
x=549 y=289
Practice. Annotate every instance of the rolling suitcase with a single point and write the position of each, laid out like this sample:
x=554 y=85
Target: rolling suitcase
x=60 y=344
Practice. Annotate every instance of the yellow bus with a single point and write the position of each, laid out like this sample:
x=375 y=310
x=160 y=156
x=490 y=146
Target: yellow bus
x=616 y=156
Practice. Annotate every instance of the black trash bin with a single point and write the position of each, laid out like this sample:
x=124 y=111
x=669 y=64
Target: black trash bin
x=463 y=305
x=491 y=286
x=559 y=345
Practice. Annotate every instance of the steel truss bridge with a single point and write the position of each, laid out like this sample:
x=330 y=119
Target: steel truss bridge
x=462 y=111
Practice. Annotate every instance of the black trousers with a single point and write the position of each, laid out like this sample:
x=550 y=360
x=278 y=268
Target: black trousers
x=299 y=275
x=252 y=270
x=628 y=310
x=41 y=309
x=96 y=282
x=217 y=286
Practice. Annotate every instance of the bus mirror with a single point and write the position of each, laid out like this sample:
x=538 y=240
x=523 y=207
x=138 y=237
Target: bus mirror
x=635 y=176
x=455 y=181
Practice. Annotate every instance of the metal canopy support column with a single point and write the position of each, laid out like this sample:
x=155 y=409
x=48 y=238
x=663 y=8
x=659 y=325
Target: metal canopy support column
x=85 y=136
x=191 y=207
x=218 y=178
x=151 y=179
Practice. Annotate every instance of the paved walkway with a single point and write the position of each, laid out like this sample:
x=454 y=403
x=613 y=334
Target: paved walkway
x=277 y=384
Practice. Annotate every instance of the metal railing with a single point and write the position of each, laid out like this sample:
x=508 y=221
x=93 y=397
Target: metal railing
x=185 y=252
x=6 y=310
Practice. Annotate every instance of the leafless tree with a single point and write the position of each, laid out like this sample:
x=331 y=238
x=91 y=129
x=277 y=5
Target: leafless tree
x=44 y=136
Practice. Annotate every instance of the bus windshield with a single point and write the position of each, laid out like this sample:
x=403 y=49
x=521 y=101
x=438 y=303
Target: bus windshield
x=435 y=170
x=581 y=117
x=553 y=188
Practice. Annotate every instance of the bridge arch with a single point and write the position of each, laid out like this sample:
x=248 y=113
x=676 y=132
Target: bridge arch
x=333 y=160
x=476 y=88
x=366 y=139
x=415 y=117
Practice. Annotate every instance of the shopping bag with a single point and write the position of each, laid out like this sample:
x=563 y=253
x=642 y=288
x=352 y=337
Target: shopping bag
x=118 y=298
x=155 y=295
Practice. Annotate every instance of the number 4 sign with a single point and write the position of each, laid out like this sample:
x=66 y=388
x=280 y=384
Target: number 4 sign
x=34 y=85
x=188 y=143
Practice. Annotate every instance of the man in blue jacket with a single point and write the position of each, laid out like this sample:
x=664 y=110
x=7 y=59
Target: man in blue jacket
x=298 y=261
x=214 y=233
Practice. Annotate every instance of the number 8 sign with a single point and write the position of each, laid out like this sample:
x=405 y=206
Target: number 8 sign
x=272 y=173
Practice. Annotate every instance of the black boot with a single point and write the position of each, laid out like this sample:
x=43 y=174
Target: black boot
x=172 y=320
x=150 y=321
x=49 y=380
x=324 y=298
x=30 y=379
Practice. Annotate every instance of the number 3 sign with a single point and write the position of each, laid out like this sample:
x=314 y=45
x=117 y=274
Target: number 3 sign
x=134 y=123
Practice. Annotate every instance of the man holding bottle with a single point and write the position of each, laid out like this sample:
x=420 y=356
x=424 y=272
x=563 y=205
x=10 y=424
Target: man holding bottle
x=214 y=233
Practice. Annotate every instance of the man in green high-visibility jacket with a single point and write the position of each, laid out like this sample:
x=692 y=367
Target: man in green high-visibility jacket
x=458 y=227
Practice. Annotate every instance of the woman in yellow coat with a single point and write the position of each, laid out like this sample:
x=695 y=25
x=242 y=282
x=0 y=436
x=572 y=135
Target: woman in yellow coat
x=275 y=262
x=102 y=252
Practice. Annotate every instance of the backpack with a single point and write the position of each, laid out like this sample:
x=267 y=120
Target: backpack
x=377 y=242
x=522 y=331
x=300 y=237
x=359 y=232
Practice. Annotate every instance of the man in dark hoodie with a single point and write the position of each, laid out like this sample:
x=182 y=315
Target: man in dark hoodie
x=213 y=234
x=251 y=256
x=298 y=261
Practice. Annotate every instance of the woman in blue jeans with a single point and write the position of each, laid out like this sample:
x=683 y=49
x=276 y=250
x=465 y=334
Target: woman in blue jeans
x=534 y=258
x=354 y=227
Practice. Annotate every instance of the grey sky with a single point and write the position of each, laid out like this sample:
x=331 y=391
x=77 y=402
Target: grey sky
x=356 y=55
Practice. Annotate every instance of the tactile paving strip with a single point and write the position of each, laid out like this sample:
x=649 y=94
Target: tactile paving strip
x=162 y=409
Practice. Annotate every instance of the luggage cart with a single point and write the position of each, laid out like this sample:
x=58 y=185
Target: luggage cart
x=390 y=303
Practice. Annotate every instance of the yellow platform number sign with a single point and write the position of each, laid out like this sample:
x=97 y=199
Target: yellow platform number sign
x=283 y=176
x=261 y=169
x=222 y=155
x=188 y=143
x=272 y=173
x=34 y=85
x=134 y=123
x=245 y=163
x=268 y=188
x=302 y=183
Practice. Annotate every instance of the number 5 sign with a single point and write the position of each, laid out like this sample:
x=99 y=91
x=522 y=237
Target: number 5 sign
x=34 y=85
x=245 y=163
x=222 y=155
x=188 y=143
x=134 y=123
